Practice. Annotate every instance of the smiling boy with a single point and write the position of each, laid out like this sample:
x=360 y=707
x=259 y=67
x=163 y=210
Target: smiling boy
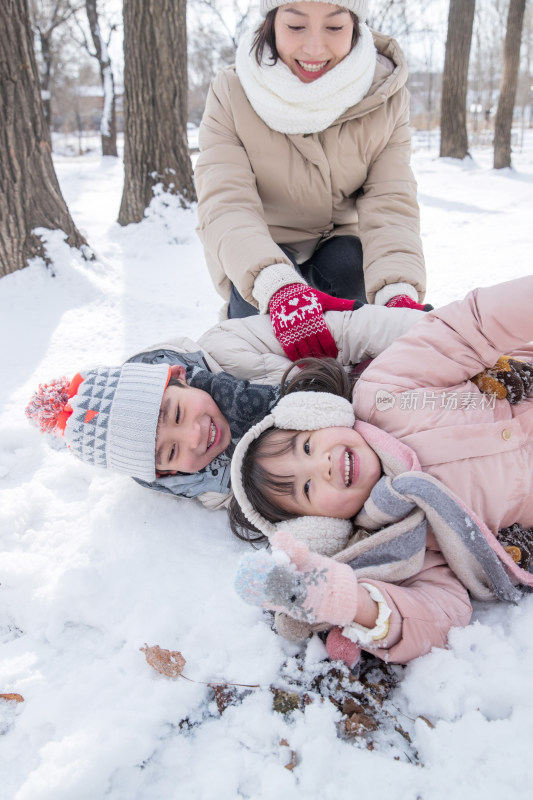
x=170 y=416
x=191 y=429
x=168 y=426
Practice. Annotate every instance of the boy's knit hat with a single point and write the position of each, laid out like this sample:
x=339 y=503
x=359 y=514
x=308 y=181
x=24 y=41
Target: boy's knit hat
x=299 y=411
x=359 y=7
x=108 y=415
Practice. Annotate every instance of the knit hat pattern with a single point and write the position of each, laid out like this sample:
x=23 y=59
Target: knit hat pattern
x=359 y=7
x=112 y=416
x=87 y=427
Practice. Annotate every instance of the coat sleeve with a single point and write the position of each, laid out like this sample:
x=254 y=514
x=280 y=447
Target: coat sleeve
x=248 y=348
x=214 y=501
x=423 y=610
x=232 y=227
x=389 y=218
x=451 y=345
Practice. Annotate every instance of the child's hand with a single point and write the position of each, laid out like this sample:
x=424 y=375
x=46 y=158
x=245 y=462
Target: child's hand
x=304 y=585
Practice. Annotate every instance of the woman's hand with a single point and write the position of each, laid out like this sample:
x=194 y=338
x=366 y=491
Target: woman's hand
x=297 y=315
x=403 y=301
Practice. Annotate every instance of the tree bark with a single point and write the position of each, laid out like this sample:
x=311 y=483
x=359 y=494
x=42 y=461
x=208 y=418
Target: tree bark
x=108 y=125
x=511 y=62
x=30 y=196
x=46 y=78
x=155 y=105
x=453 y=134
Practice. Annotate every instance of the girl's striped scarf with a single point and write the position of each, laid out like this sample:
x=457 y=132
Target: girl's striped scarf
x=390 y=541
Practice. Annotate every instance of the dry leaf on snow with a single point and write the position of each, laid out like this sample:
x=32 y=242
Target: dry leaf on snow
x=166 y=662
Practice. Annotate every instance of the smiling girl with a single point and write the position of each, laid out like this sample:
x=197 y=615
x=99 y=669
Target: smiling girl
x=420 y=495
x=332 y=471
x=303 y=178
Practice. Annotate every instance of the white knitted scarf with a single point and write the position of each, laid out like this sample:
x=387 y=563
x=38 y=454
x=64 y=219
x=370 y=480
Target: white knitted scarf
x=288 y=105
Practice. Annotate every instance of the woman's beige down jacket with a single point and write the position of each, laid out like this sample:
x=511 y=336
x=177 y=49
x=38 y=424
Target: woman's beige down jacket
x=257 y=187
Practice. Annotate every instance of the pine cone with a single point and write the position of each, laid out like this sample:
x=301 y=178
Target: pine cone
x=509 y=378
x=518 y=542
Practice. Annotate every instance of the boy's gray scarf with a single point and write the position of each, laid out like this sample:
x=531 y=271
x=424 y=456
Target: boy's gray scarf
x=242 y=402
x=390 y=540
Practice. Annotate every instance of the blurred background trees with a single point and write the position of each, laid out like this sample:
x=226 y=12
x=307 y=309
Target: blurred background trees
x=101 y=28
x=508 y=84
x=156 y=150
x=74 y=65
x=470 y=78
x=453 y=133
x=30 y=197
x=72 y=42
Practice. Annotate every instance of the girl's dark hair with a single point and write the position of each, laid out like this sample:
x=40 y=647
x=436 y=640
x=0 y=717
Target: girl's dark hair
x=314 y=375
x=318 y=375
x=265 y=36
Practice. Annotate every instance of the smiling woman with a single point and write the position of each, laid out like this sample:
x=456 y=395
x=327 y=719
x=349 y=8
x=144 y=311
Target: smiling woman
x=306 y=197
x=313 y=39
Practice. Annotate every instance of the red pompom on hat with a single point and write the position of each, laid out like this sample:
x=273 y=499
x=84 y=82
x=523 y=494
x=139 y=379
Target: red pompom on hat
x=108 y=416
x=48 y=408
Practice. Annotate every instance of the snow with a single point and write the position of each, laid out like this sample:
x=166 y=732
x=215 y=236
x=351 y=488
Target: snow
x=92 y=566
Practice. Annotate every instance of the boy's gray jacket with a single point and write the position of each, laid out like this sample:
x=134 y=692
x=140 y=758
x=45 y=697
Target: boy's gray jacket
x=258 y=188
x=248 y=349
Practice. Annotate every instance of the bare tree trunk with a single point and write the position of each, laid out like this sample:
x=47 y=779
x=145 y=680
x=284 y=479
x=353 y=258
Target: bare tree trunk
x=511 y=62
x=30 y=196
x=155 y=105
x=108 y=125
x=453 y=135
x=46 y=78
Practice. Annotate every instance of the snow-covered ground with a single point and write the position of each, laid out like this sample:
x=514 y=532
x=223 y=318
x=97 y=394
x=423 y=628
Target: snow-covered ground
x=92 y=566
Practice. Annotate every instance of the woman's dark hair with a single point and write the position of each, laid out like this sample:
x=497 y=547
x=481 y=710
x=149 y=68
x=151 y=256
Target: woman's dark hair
x=265 y=36
x=314 y=375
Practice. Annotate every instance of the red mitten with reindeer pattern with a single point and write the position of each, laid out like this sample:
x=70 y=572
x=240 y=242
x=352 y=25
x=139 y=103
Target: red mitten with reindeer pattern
x=296 y=312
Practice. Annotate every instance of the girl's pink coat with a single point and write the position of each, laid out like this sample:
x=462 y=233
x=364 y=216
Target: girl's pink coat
x=481 y=450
